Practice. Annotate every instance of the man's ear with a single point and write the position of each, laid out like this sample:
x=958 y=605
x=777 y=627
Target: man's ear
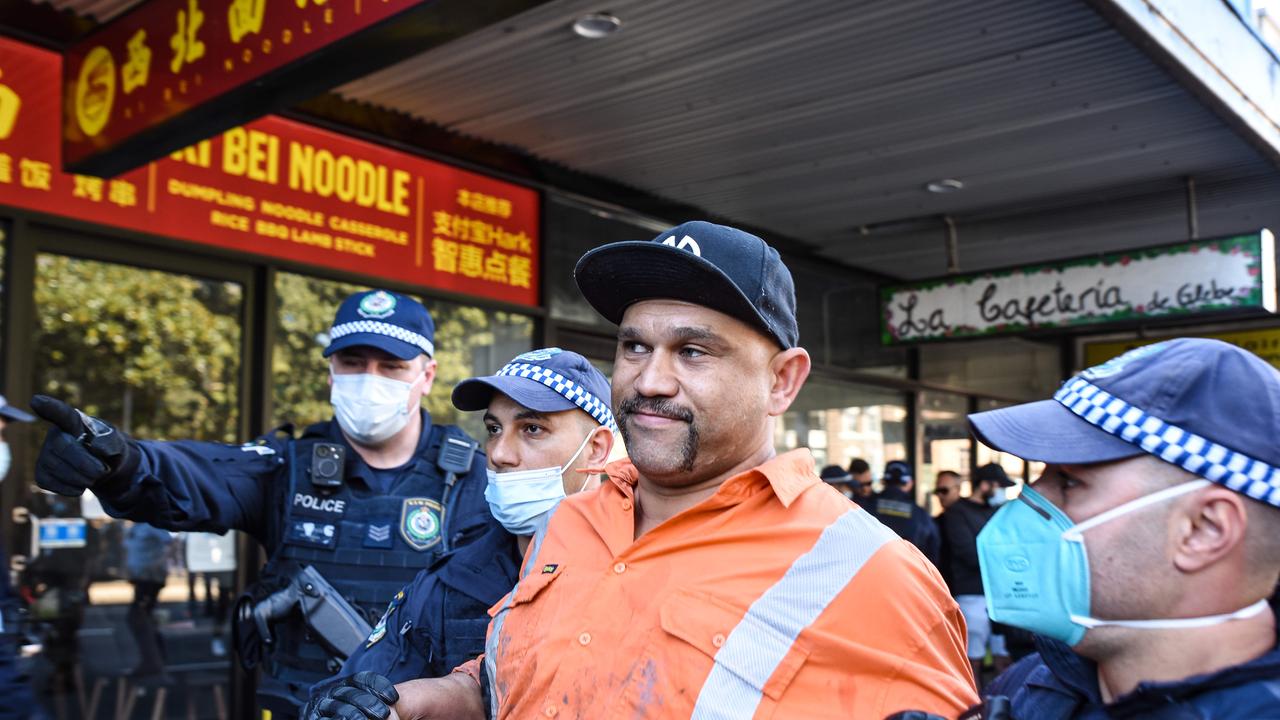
x=599 y=447
x=1210 y=526
x=429 y=370
x=788 y=370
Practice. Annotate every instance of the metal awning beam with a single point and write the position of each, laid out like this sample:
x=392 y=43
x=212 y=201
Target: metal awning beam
x=1213 y=53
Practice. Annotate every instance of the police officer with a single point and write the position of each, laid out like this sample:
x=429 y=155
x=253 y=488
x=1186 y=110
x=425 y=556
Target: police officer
x=959 y=526
x=839 y=478
x=18 y=702
x=548 y=420
x=1144 y=555
x=366 y=500
x=895 y=506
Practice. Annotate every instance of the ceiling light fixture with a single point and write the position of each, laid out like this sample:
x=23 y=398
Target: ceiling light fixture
x=597 y=25
x=943 y=186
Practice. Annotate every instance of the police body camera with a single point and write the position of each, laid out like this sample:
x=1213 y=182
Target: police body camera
x=327 y=463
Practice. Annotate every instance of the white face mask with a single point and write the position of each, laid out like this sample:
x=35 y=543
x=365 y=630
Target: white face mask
x=518 y=498
x=370 y=408
x=5 y=460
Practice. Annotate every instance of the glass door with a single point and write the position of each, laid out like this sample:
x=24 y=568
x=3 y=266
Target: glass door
x=944 y=442
x=127 y=619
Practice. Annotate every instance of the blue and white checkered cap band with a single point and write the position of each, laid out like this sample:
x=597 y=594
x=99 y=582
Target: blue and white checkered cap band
x=572 y=391
x=383 y=328
x=1170 y=443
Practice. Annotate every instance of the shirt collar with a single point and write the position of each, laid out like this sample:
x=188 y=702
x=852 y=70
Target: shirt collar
x=788 y=474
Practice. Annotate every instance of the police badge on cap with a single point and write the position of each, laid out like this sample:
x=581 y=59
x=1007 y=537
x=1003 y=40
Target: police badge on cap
x=377 y=305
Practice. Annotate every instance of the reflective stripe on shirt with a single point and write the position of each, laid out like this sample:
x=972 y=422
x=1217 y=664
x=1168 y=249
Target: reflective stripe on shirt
x=774 y=621
x=491 y=640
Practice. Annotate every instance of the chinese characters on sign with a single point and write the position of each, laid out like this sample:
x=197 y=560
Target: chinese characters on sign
x=282 y=189
x=167 y=56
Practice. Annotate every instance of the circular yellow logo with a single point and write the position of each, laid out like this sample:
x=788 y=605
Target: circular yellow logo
x=95 y=91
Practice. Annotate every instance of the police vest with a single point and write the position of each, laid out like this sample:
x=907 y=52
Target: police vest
x=366 y=546
x=471 y=582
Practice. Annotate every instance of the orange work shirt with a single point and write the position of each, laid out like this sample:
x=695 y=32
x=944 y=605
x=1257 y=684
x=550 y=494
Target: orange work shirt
x=774 y=598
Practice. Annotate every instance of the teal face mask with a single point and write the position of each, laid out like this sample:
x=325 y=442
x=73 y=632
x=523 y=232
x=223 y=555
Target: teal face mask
x=1035 y=571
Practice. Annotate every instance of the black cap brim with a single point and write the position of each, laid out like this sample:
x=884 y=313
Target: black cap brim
x=614 y=277
x=1046 y=431
x=476 y=394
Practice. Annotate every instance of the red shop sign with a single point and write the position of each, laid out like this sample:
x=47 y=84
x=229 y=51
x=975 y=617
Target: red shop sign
x=282 y=189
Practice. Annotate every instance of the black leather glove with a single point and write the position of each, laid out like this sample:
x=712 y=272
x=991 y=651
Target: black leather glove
x=80 y=451
x=995 y=707
x=363 y=696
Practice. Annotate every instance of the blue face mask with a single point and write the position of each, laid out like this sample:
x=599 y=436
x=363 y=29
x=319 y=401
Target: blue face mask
x=1035 y=571
x=519 y=498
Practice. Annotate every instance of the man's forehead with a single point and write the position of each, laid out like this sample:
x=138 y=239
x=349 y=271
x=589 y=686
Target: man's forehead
x=503 y=409
x=366 y=352
x=680 y=318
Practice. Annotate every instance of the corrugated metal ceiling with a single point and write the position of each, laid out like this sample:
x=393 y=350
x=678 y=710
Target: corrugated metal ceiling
x=817 y=118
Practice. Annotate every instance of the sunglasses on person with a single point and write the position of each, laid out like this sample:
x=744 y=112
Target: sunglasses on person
x=943 y=491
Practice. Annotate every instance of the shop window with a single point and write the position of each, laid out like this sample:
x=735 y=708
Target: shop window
x=835 y=308
x=944 y=442
x=1008 y=367
x=157 y=354
x=469 y=341
x=1013 y=465
x=839 y=421
x=4 y=246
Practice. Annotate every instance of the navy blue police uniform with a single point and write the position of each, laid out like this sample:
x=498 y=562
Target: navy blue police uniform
x=1057 y=684
x=894 y=507
x=366 y=537
x=439 y=621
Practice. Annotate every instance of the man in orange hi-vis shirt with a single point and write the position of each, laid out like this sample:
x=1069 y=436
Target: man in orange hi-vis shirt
x=709 y=577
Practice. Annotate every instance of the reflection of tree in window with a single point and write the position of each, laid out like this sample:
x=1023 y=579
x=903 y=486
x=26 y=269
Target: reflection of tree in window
x=469 y=341
x=156 y=352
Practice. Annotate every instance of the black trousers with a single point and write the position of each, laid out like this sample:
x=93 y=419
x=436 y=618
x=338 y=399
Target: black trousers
x=142 y=626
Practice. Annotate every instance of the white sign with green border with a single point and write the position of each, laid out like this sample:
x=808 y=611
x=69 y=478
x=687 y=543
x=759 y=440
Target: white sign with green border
x=1194 y=277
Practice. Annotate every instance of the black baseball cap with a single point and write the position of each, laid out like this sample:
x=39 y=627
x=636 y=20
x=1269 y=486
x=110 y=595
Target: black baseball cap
x=835 y=475
x=897 y=472
x=1206 y=406
x=993 y=473
x=715 y=266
